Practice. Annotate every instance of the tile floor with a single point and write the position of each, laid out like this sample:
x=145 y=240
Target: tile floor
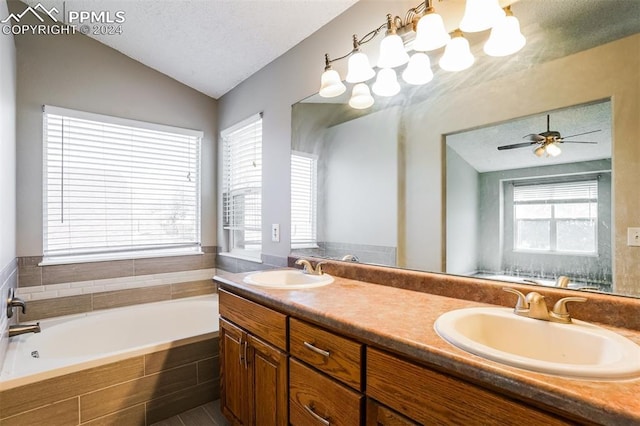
x=205 y=415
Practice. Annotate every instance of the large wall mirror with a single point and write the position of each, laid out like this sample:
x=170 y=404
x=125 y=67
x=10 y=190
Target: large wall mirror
x=446 y=177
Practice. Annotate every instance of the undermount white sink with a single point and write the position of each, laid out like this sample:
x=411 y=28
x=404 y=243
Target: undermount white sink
x=287 y=279
x=579 y=349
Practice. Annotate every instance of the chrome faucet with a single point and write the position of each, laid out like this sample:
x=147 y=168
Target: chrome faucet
x=15 y=330
x=533 y=306
x=14 y=302
x=308 y=267
x=350 y=258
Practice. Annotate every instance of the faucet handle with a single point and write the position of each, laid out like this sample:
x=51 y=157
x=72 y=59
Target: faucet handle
x=14 y=302
x=560 y=308
x=318 y=270
x=522 y=302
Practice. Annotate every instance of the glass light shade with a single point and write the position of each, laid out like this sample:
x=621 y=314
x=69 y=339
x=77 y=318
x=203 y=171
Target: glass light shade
x=506 y=38
x=553 y=150
x=331 y=85
x=539 y=151
x=457 y=55
x=480 y=15
x=419 y=70
x=359 y=68
x=361 y=97
x=386 y=83
x=430 y=33
x=392 y=53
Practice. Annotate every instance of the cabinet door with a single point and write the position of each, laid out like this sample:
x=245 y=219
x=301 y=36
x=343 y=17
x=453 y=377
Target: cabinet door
x=233 y=374
x=268 y=383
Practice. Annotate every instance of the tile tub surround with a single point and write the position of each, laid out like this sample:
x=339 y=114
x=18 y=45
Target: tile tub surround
x=616 y=311
x=401 y=321
x=30 y=274
x=80 y=297
x=139 y=390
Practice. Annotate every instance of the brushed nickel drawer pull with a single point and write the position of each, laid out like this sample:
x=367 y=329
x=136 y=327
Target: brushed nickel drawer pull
x=317 y=350
x=321 y=419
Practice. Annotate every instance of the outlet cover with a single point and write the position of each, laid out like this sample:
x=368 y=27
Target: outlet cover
x=633 y=237
x=275 y=233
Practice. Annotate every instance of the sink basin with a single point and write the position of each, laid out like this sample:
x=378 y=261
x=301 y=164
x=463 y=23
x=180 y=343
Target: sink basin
x=580 y=349
x=287 y=279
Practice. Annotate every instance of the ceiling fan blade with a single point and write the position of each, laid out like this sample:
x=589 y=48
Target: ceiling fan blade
x=580 y=134
x=533 y=137
x=516 y=145
x=563 y=141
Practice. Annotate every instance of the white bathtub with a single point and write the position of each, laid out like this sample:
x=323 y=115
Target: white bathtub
x=74 y=342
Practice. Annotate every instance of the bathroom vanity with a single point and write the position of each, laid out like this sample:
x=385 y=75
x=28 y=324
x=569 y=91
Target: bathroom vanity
x=356 y=353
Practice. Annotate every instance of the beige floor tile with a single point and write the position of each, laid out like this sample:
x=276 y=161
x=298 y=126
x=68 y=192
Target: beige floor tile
x=197 y=417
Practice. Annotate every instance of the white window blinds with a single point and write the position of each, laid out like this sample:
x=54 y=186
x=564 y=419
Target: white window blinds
x=303 y=200
x=115 y=185
x=242 y=186
x=585 y=190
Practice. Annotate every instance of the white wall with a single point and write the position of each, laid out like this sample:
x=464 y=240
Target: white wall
x=76 y=72
x=7 y=146
x=359 y=175
x=462 y=215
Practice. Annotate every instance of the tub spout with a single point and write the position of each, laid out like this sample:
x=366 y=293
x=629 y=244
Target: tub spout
x=16 y=330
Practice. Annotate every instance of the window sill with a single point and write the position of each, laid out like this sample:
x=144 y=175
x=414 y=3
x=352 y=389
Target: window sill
x=240 y=256
x=555 y=253
x=109 y=257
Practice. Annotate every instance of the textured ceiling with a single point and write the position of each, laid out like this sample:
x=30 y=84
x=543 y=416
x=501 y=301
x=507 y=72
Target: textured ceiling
x=209 y=45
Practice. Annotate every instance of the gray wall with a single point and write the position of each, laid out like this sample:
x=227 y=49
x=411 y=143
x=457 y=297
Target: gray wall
x=74 y=71
x=7 y=146
x=8 y=266
x=462 y=215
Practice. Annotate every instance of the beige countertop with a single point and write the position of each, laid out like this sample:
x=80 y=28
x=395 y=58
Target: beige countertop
x=402 y=321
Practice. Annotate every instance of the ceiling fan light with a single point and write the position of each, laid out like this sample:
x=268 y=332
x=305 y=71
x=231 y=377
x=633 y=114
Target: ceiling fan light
x=386 y=83
x=480 y=15
x=361 y=97
x=506 y=38
x=419 y=70
x=330 y=84
x=457 y=55
x=430 y=32
x=553 y=149
x=539 y=151
x=359 y=69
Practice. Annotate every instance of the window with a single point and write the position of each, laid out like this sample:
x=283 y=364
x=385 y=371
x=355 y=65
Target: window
x=242 y=187
x=556 y=217
x=303 y=200
x=114 y=187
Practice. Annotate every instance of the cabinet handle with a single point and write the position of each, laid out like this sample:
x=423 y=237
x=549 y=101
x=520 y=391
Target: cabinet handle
x=321 y=419
x=240 y=353
x=246 y=364
x=317 y=350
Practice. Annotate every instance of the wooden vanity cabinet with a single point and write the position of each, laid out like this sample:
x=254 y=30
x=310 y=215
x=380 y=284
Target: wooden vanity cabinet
x=430 y=397
x=254 y=379
x=324 y=378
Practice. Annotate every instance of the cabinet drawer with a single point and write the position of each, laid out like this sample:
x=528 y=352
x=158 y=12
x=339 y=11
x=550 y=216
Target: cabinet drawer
x=379 y=415
x=315 y=399
x=430 y=397
x=337 y=356
x=267 y=324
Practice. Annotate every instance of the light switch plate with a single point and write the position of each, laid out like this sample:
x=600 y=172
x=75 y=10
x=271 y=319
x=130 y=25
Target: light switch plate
x=275 y=233
x=633 y=237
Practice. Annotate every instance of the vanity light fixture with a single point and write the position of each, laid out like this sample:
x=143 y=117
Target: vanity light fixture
x=422 y=30
x=505 y=38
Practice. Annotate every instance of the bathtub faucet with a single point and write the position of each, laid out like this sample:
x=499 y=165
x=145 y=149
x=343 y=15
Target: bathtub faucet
x=14 y=302
x=16 y=330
